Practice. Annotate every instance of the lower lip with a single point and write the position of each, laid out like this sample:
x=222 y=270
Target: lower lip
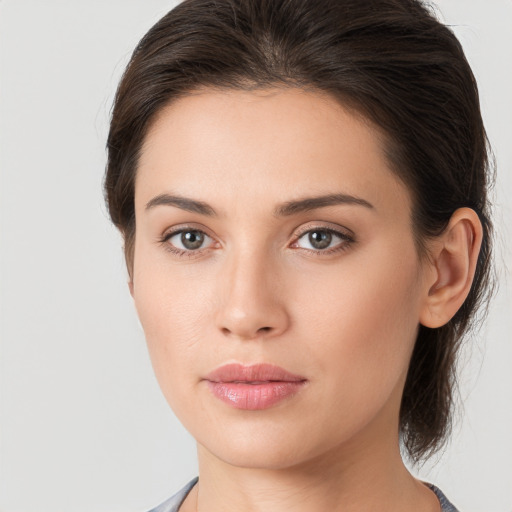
x=254 y=397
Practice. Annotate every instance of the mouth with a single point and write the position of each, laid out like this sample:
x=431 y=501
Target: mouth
x=253 y=387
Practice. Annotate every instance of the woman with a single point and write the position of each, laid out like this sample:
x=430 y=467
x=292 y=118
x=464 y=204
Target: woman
x=301 y=188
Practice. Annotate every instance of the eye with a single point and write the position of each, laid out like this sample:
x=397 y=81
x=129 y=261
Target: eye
x=185 y=241
x=323 y=240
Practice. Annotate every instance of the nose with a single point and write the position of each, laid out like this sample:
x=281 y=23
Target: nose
x=251 y=299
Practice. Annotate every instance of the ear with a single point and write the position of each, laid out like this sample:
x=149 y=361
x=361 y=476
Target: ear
x=453 y=261
x=130 y=286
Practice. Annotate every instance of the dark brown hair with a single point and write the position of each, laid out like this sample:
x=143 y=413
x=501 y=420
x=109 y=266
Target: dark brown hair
x=390 y=60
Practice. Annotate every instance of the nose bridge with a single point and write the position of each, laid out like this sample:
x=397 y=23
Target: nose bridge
x=251 y=303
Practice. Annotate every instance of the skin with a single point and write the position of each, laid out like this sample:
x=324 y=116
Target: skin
x=257 y=291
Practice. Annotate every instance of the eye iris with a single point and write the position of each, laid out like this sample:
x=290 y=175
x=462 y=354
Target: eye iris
x=320 y=239
x=192 y=239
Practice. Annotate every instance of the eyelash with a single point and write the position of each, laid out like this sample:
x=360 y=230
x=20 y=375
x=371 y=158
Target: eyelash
x=346 y=241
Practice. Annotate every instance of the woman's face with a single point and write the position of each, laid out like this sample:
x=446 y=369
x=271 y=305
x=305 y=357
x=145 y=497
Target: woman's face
x=270 y=230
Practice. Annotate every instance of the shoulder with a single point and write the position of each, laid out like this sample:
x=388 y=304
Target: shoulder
x=446 y=506
x=175 y=501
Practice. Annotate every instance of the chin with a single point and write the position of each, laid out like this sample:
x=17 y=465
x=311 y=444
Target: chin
x=261 y=445
x=253 y=456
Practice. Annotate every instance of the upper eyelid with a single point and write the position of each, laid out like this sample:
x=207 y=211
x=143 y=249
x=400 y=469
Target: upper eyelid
x=343 y=231
x=185 y=227
x=297 y=232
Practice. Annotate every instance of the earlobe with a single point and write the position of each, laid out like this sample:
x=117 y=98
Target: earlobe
x=454 y=260
x=130 y=286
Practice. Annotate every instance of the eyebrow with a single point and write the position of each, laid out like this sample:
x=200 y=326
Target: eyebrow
x=284 y=210
x=312 y=203
x=184 y=203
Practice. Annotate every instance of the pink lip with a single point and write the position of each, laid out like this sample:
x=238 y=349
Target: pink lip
x=253 y=387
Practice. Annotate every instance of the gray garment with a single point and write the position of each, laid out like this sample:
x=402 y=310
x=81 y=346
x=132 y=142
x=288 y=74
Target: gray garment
x=446 y=506
x=174 y=503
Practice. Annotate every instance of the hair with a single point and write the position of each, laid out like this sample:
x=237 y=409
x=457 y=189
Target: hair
x=390 y=61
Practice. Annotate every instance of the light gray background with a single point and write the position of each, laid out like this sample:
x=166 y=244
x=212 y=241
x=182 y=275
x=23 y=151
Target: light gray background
x=84 y=427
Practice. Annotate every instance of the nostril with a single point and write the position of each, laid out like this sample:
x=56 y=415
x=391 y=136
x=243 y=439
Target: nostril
x=227 y=331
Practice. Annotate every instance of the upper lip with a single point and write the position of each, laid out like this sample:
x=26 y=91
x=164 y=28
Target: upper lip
x=237 y=372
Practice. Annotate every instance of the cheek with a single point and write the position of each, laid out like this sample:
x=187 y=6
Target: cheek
x=171 y=307
x=364 y=322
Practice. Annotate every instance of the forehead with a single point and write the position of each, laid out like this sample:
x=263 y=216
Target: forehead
x=257 y=145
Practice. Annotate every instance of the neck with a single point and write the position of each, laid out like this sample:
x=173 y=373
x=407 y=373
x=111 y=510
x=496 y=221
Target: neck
x=348 y=479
